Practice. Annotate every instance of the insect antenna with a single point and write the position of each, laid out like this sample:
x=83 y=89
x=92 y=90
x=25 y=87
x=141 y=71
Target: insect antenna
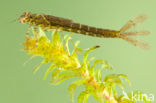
x=12 y=21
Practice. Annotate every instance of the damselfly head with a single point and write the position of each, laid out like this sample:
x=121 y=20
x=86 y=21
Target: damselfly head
x=24 y=17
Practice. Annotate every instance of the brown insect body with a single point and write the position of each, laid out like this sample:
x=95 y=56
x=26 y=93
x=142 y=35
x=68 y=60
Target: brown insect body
x=53 y=22
x=48 y=22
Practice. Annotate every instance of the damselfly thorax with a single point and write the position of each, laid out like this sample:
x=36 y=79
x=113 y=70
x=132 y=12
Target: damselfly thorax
x=48 y=22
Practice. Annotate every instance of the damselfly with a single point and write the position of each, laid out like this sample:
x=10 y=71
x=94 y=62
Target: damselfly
x=48 y=22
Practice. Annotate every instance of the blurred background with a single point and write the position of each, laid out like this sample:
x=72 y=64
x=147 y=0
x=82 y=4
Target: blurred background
x=20 y=85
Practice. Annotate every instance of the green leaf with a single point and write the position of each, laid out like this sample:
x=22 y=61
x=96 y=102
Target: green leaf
x=73 y=86
x=83 y=96
x=56 y=72
x=106 y=101
x=114 y=91
x=62 y=77
x=71 y=90
x=105 y=64
x=65 y=36
x=56 y=40
x=76 y=44
x=84 y=65
x=38 y=66
x=97 y=74
x=98 y=96
x=66 y=44
x=51 y=67
x=76 y=49
x=28 y=60
x=87 y=52
x=113 y=79
x=125 y=77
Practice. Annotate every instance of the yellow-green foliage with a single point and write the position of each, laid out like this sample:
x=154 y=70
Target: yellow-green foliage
x=65 y=65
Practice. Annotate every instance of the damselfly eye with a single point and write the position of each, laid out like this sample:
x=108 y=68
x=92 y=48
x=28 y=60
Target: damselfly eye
x=23 y=20
x=23 y=17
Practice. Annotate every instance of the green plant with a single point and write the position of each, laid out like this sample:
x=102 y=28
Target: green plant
x=65 y=65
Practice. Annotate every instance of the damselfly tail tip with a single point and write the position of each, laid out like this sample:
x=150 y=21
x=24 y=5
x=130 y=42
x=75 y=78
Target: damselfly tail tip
x=135 y=33
x=126 y=35
x=140 y=18
x=139 y=43
x=132 y=23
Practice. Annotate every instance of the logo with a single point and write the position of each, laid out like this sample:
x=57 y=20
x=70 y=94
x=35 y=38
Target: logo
x=138 y=96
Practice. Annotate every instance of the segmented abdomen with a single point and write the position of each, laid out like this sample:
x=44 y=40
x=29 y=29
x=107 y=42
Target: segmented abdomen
x=91 y=31
x=52 y=22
